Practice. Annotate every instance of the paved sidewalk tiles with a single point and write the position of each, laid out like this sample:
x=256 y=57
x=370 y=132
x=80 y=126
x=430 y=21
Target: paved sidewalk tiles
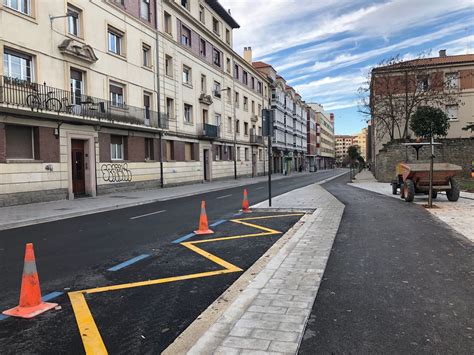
x=270 y=314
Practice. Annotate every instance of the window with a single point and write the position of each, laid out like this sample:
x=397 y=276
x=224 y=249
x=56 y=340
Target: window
x=169 y=150
x=17 y=65
x=116 y=95
x=170 y=108
x=253 y=107
x=203 y=83
x=146 y=56
x=146 y=107
x=77 y=86
x=23 y=6
x=115 y=41
x=238 y=153
x=116 y=148
x=167 y=23
x=228 y=65
x=218 y=119
x=149 y=151
x=260 y=154
x=237 y=126
x=218 y=152
x=187 y=75
x=259 y=112
x=229 y=124
x=215 y=26
x=168 y=66
x=246 y=103
x=246 y=128
x=227 y=36
x=422 y=83
x=74 y=21
x=245 y=78
x=19 y=142
x=236 y=71
x=451 y=80
x=452 y=111
x=188 y=151
x=185 y=36
x=202 y=17
x=202 y=47
x=188 y=113
x=185 y=4
x=216 y=57
x=205 y=115
x=246 y=154
x=145 y=9
x=217 y=89
x=229 y=94
x=237 y=99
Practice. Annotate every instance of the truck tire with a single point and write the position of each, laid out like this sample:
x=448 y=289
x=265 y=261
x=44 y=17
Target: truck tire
x=409 y=190
x=434 y=194
x=453 y=193
x=394 y=188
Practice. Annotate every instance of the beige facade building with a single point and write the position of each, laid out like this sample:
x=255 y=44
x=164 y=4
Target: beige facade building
x=102 y=96
x=453 y=75
x=360 y=140
x=343 y=142
x=325 y=137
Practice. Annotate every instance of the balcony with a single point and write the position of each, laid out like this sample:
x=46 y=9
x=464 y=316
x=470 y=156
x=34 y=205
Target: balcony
x=22 y=94
x=254 y=118
x=256 y=139
x=208 y=131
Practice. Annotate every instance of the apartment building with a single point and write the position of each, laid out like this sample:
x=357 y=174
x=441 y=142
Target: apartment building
x=313 y=139
x=360 y=140
x=423 y=82
x=289 y=140
x=325 y=135
x=78 y=94
x=103 y=96
x=212 y=96
x=343 y=142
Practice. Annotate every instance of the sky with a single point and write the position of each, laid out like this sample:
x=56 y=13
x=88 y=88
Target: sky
x=326 y=48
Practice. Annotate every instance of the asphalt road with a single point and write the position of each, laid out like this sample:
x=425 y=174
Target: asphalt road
x=397 y=281
x=74 y=254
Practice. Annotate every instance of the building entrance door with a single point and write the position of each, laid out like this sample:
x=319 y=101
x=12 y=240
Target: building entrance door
x=78 y=174
x=206 y=164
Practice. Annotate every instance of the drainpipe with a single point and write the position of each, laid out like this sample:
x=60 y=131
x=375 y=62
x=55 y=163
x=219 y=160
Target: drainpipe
x=157 y=15
x=235 y=119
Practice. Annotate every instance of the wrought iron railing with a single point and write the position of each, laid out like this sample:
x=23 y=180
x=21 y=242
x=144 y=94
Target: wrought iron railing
x=256 y=139
x=207 y=130
x=40 y=97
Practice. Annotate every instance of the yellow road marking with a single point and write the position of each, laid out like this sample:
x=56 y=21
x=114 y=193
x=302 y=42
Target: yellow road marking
x=93 y=343
x=91 y=338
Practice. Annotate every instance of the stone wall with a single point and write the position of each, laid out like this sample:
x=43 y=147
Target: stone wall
x=454 y=151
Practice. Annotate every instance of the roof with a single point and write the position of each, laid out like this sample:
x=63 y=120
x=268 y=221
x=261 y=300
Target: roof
x=451 y=59
x=223 y=13
x=259 y=65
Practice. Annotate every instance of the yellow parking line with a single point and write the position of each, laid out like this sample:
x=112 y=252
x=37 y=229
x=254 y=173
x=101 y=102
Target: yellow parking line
x=90 y=335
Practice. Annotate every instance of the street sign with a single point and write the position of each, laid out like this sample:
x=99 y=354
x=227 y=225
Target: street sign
x=267 y=122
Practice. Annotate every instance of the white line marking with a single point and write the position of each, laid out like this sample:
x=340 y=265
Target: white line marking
x=218 y=198
x=148 y=214
x=261 y=187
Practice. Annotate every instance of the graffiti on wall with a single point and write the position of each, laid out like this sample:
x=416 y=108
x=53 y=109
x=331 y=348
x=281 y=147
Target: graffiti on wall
x=116 y=172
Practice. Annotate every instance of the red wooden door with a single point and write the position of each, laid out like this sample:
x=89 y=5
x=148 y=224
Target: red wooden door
x=78 y=174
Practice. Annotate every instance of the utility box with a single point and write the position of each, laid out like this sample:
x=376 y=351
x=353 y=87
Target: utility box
x=267 y=122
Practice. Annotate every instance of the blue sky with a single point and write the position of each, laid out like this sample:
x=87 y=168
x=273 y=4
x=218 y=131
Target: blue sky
x=324 y=49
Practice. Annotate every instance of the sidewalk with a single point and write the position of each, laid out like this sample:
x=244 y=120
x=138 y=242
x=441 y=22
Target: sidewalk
x=23 y=215
x=271 y=309
x=458 y=215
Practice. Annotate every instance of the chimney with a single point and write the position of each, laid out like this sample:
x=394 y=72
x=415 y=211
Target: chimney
x=442 y=53
x=248 y=54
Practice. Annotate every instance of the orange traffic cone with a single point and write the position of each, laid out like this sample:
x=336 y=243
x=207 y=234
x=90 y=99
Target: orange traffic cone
x=203 y=226
x=30 y=295
x=245 y=203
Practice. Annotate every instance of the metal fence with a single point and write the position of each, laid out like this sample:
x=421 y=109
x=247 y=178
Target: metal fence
x=40 y=97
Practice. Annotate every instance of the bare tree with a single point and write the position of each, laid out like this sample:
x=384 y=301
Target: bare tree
x=396 y=88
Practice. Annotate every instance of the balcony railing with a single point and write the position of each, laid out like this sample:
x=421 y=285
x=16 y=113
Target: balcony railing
x=256 y=139
x=209 y=131
x=43 y=98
